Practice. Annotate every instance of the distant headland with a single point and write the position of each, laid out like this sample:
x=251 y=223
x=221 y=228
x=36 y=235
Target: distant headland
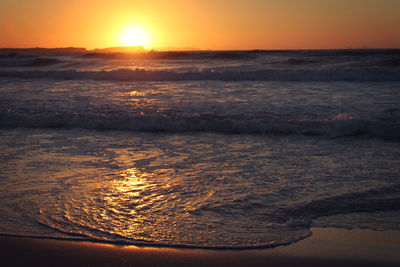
x=37 y=50
x=34 y=50
x=109 y=50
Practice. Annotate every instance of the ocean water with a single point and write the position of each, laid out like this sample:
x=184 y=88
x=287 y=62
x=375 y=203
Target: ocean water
x=212 y=149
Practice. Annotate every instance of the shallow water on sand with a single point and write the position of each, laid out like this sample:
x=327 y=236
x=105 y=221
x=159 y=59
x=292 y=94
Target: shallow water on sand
x=207 y=190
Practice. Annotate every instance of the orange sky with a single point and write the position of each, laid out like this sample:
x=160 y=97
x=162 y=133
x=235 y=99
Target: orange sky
x=204 y=24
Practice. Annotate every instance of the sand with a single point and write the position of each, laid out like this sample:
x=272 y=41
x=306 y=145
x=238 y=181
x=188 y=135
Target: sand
x=326 y=247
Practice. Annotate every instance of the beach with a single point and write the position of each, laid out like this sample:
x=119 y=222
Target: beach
x=326 y=247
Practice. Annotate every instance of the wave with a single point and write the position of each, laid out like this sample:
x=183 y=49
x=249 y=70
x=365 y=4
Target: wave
x=176 y=55
x=27 y=61
x=246 y=54
x=301 y=215
x=355 y=75
x=341 y=125
x=373 y=200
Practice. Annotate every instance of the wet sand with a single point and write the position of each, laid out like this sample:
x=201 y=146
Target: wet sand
x=326 y=247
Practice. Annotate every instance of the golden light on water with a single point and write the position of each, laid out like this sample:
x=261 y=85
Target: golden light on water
x=133 y=184
x=134 y=36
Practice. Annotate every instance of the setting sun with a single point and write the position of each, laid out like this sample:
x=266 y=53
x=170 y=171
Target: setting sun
x=200 y=132
x=134 y=36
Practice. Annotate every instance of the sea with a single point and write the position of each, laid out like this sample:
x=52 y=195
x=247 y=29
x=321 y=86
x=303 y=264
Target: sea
x=202 y=149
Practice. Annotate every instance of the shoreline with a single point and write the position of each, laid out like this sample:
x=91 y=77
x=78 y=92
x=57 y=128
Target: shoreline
x=325 y=247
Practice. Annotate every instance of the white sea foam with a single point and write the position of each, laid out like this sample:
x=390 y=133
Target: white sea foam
x=329 y=127
x=199 y=149
x=357 y=65
x=364 y=75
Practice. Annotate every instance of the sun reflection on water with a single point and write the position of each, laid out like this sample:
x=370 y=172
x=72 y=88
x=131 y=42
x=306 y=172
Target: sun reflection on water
x=130 y=194
x=123 y=201
x=137 y=93
x=133 y=184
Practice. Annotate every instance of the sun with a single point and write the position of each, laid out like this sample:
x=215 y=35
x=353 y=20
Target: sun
x=134 y=36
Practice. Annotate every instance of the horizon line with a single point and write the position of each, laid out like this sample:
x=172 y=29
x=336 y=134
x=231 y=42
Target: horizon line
x=142 y=49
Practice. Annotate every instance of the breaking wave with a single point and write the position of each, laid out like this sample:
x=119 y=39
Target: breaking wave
x=355 y=75
x=338 y=126
x=27 y=62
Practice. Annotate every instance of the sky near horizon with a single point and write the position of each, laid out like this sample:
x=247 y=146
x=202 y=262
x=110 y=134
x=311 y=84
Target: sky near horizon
x=204 y=24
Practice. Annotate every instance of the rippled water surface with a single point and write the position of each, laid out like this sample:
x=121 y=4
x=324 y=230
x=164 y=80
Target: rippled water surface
x=189 y=189
x=208 y=149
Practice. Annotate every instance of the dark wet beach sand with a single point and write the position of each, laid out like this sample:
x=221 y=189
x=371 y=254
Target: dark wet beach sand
x=326 y=247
